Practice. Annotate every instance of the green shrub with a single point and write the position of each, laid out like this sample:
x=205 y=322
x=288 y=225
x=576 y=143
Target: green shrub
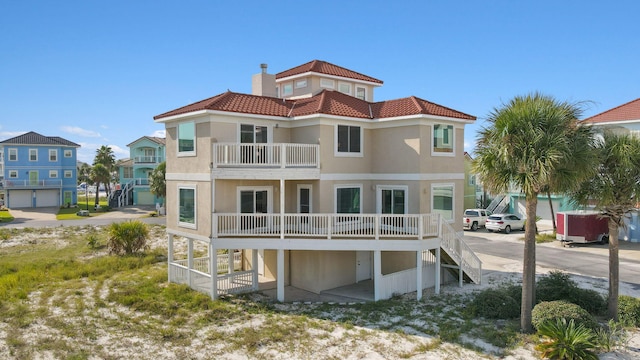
x=611 y=337
x=565 y=340
x=497 y=303
x=552 y=310
x=629 y=310
x=559 y=286
x=127 y=237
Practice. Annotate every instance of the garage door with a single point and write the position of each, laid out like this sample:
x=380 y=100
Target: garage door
x=145 y=198
x=19 y=199
x=47 y=198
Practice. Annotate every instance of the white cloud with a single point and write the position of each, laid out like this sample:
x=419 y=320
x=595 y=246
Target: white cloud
x=10 y=134
x=79 y=131
x=119 y=152
x=159 y=133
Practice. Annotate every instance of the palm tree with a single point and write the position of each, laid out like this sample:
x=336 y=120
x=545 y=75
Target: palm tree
x=105 y=156
x=533 y=142
x=615 y=190
x=157 y=183
x=99 y=174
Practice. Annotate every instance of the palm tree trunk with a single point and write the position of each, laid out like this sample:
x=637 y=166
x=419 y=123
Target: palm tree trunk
x=529 y=265
x=97 y=193
x=553 y=217
x=614 y=269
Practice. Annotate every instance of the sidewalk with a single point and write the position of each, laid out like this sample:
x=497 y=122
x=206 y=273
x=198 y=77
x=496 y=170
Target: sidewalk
x=46 y=217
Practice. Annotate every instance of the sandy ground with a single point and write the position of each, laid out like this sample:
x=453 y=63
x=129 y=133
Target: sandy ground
x=370 y=346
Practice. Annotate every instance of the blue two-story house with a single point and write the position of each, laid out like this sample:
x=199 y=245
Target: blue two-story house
x=145 y=154
x=39 y=171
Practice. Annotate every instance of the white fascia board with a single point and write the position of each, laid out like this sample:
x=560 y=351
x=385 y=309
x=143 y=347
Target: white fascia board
x=182 y=116
x=619 y=122
x=187 y=235
x=392 y=177
x=425 y=117
x=335 y=77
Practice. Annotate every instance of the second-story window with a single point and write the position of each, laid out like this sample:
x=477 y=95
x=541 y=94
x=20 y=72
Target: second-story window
x=33 y=154
x=443 y=139
x=327 y=83
x=53 y=174
x=53 y=155
x=68 y=174
x=301 y=84
x=13 y=154
x=349 y=139
x=187 y=138
x=68 y=153
x=13 y=174
x=361 y=93
x=127 y=172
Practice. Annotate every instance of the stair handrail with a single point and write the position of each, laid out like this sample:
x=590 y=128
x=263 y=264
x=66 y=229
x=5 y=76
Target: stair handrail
x=124 y=193
x=460 y=252
x=495 y=202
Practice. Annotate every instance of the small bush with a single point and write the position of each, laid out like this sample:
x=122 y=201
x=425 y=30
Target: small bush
x=611 y=337
x=552 y=310
x=629 y=310
x=565 y=340
x=497 y=303
x=559 y=286
x=127 y=237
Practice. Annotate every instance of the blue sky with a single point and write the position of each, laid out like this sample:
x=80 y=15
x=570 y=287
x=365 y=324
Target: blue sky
x=97 y=72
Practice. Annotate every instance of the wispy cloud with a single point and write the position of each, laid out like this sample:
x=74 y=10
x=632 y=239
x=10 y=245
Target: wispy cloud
x=9 y=134
x=159 y=133
x=79 y=131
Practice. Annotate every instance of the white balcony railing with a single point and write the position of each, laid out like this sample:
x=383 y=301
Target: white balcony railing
x=31 y=184
x=146 y=159
x=372 y=226
x=266 y=155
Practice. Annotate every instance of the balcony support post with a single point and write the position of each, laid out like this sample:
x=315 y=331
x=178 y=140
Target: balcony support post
x=281 y=208
x=280 y=275
x=419 y=275
x=438 y=265
x=169 y=253
x=377 y=274
x=254 y=268
x=189 y=261
x=213 y=265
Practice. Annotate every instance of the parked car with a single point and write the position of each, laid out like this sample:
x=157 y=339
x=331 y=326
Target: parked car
x=474 y=218
x=504 y=222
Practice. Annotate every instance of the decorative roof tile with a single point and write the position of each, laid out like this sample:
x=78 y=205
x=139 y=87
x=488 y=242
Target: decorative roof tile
x=33 y=138
x=327 y=102
x=323 y=67
x=625 y=112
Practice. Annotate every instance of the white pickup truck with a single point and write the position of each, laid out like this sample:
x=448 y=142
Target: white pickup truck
x=474 y=218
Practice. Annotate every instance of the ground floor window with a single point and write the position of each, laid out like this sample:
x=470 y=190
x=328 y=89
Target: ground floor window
x=442 y=200
x=187 y=201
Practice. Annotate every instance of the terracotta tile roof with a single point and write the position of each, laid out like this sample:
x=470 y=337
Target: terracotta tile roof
x=323 y=67
x=238 y=103
x=327 y=102
x=625 y=112
x=413 y=106
x=33 y=138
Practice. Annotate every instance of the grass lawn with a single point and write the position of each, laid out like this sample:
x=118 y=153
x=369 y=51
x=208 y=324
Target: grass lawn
x=5 y=216
x=72 y=212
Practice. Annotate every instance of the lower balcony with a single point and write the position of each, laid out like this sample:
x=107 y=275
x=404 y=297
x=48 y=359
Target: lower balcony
x=32 y=184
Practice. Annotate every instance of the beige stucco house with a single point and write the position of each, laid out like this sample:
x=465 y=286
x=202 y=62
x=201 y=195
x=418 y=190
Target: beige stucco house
x=311 y=183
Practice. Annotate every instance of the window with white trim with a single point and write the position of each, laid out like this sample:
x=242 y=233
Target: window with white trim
x=187 y=138
x=348 y=139
x=361 y=93
x=442 y=200
x=53 y=174
x=13 y=154
x=344 y=88
x=33 y=154
x=53 y=155
x=287 y=89
x=328 y=83
x=68 y=174
x=301 y=84
x=68 y=153
x=13 y=174
x=443 y=138
x=348 y=199
x=187 y=206
x=304 y=199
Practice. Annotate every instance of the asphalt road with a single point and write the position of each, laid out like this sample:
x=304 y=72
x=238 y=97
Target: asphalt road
x=45 y=217
x=585 y=259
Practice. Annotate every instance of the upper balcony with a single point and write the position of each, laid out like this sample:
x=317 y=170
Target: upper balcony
x=31 y=184
x=147 y=159
x=275 y=160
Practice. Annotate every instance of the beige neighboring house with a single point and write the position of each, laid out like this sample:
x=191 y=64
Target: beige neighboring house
x=311 y=183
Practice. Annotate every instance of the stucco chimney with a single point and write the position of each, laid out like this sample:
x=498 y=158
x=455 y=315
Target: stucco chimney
x=263 y=84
